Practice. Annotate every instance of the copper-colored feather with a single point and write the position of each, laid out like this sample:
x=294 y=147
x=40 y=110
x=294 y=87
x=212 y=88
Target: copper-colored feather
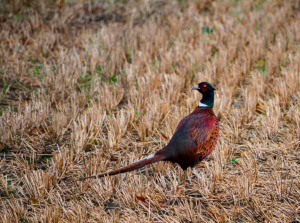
x=137 y=165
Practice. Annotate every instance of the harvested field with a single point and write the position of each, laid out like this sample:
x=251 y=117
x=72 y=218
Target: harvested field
x=91 y=86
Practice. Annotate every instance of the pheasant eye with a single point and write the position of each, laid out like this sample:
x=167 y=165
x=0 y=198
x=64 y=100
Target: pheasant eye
x=204 y=85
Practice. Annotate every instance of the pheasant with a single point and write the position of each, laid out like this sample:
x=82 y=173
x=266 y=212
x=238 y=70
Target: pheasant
x=194 y=139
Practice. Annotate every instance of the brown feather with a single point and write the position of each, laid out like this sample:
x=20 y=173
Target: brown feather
x=131 y=167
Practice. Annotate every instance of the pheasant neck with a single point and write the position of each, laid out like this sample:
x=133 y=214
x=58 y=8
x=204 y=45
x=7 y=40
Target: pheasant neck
x=207 y=100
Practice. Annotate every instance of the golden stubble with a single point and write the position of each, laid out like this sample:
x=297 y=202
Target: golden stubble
x=88 y=87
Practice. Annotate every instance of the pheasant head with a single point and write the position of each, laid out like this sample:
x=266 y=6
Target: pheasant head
x=207 y=90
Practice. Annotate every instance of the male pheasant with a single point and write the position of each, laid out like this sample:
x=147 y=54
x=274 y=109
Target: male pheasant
x=194 y=139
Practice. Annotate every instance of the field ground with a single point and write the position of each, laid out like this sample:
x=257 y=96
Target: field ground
x=90 y=86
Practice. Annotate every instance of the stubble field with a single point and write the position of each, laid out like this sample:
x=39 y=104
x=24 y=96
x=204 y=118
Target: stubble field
x=91 y=86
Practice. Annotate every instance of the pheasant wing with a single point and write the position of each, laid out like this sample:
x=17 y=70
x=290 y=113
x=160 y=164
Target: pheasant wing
x=201 y=127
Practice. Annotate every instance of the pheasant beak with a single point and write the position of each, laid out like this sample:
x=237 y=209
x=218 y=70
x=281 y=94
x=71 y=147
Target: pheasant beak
x=196 y=88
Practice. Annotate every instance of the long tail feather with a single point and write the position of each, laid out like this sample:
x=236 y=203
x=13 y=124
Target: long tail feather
x=137 y=165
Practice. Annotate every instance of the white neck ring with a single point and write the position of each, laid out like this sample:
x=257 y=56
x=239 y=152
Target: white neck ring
x=202 y=105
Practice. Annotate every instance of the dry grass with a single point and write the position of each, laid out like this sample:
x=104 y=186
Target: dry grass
x=90 y=86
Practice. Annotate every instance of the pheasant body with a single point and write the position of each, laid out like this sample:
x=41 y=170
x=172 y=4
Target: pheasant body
x=194 y=139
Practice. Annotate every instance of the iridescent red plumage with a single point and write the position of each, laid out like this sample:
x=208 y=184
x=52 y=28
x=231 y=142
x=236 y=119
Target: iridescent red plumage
x=194 y=139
